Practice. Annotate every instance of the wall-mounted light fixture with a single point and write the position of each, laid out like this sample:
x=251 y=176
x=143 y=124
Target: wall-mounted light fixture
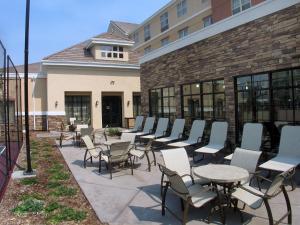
x=56 y=104
x=112 y=82
x=128 y=103
x=97 y=103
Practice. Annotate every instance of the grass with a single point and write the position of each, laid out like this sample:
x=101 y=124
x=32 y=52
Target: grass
x=53 y=184
x=29 y=205
x=59 y=176
x=66 y=214
x=35 y=195
x=63 y=191
x=52 y=206
x=29 y=181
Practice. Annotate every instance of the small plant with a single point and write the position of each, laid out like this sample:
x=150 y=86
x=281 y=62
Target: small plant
x=29 y=205
x=56 y=168
x=63 y=191
x=53 y=184
x=114 y=132
x=59 y=176
x=52 y=206
x=35 y=195
x=67 y=214
x=29 y=181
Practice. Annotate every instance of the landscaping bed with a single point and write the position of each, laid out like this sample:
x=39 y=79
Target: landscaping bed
x=53 y=197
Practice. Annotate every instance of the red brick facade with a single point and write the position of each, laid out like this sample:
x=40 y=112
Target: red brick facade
x=267 y=44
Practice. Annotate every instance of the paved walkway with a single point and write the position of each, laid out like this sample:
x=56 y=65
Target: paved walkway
x=128 y=199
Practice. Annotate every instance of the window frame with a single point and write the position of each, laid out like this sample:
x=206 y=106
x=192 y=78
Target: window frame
x=147 y=32
x=147 y=50
x=184 y=31
x=239 y=8
x=210 y=21
x=165 y=41
x=136 y=37
x=181 y=8
x=119 y=52
x=164 y=21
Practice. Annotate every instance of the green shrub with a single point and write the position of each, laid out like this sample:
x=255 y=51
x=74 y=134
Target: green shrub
x=29 y=205
x=29 y=181
x=67 y=214
x=53 y=184
x=114 y=132
x=52 y=206
x=63 y=191
x=59 y=176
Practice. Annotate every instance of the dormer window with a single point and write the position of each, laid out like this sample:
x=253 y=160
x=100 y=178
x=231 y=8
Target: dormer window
x=112 y=52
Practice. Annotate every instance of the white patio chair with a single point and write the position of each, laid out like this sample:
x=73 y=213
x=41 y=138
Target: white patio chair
x=141 y=151
x=217 y=140
x=251 y=139
x=161 y=129
x=118 y=153
x=288 y=157
x=178 y=161
x=194 y=137
x=148 y=127
x=72 y=120
x=255 y=198
x=138 y=125
x=248 y=160
x=194 y=195
x=128 y=137
x=176 y=132
x=94 y=152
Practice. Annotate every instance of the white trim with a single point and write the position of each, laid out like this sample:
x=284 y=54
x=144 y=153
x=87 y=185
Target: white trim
x=90 y=64
x=94 y=41
x=154 y=15
x=263 y=9
x=34 y=75
x=46 y=113
x=172 y=28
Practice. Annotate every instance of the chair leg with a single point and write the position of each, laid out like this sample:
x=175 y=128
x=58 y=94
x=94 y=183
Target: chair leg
x=110 y=169
x=154 y=157
x=84 y=160
x=164 y=194
x=131 y=164
x=288 y=205
x=99 y=164
x=148 y=160
x=185 y=213
x=91 y=160
x=60 y=140
x=182 y=204
x=161 y=184
x=270 y=216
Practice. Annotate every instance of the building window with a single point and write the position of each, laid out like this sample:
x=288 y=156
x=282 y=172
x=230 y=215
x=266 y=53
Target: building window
x=184 y=32
x=136 y=105
x=112 y=52
x=136 y=37
x=79 y=107
x=181 y=8
x=240 y=5
x=164 y=22
x=147 y=33
x=207 y=21
x=164 y=41
x=162 y=102
x=147 y=50
x=269 y=98
x=204 y=100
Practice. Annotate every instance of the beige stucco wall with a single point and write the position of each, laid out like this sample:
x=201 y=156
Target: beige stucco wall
x=95 y=81
x=193 y=7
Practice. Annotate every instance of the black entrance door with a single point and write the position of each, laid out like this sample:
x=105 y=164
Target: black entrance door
x=112 y=111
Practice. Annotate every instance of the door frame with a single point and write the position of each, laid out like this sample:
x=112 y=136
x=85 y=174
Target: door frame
x=113 y=94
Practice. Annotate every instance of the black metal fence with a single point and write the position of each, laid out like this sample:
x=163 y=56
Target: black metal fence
x=11 y=135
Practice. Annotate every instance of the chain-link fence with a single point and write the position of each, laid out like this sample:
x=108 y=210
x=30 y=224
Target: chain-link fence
x=11 y=137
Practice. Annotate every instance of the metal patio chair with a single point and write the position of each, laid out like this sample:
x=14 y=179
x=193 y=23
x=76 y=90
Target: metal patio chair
x=252 y=137
x=176 y=133
x=194 y=194
x=255 y=198
x=161 y=129
x=138 y=125
x=118 y=154
x=217 y=140
x=91 y=151
x=288 y=157
x=148 y=127
x=195 y=136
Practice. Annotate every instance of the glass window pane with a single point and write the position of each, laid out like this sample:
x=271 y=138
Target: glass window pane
x=195 y=88
x=207 y=106
x=186 y=89
x=262 y=105
x=219 y=106
x=244 y=83
x=165 y=92
x=219 y=86
x=207 y=87
x=297 y=104
x=283 y=105
x=296 y=77
x=244 y=107
x=261 y=81
x=171 y=91
x=282 y=79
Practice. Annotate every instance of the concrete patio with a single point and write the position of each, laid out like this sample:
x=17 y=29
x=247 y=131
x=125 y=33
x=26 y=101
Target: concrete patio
x=128 y=199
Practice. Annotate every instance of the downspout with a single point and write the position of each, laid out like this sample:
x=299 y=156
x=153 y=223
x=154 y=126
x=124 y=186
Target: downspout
x=33 y=100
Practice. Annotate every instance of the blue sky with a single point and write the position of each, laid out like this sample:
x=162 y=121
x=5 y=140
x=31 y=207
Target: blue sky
x=57 y=24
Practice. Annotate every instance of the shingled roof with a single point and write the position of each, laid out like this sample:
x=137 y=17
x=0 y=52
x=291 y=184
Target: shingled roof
x=126 y=27
x=79 y=52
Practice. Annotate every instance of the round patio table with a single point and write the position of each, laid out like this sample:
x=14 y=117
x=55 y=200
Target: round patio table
x=218 y=173
x=225 y=175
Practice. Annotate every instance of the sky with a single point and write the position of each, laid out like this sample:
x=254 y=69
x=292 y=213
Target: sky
x=58 y=24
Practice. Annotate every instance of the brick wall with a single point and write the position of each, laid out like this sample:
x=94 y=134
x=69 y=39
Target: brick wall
x=267 y=44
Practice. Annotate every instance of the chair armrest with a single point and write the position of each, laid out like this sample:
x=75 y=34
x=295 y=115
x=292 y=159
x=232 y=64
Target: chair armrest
x=251 y=192
x=188 y=175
